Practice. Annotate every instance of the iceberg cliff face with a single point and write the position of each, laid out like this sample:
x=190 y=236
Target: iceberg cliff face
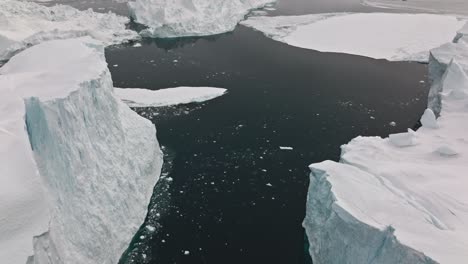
x=77 y=165
x=400 y=199
x=24 y=24
x=182 y=18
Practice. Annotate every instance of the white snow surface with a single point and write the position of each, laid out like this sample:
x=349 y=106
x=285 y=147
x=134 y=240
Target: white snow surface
x=395 y=37
x=135 y=97
x=182 y=18
x=23 y=24
x=400 y=199
x=459 y=7
x=77 y=166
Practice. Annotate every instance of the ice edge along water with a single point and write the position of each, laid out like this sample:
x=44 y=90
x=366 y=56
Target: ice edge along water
x=135 y=97
x=24 y=24
x=186 y=18
x=400 y=199
x=401 y=37
x=77 y=166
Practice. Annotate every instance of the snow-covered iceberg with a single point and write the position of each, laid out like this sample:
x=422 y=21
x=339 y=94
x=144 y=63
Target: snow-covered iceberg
x=182 y=18
x=77 y=166
x=401 y=199
x=24 y=24
x=395 y=37
x=135 y=97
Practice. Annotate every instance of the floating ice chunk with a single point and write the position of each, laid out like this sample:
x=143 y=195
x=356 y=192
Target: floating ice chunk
x=135 y=97
x=269 y=185
x=429 y=119
x=150 y=228
x=446 y=151
x=401 y=36
x=286 y=148
x=403 y=139
x=181 y=18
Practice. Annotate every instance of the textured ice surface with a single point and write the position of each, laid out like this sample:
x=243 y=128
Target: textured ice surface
x=26 y=24
x=135 y=97
x=77 y=166
x=181 y=18
x=433 y=6
x=400 y=199
x=395 y=37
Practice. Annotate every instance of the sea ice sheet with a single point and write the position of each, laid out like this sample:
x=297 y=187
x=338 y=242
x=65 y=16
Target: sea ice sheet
x=395 y=37
x=135 y=97
x=433 y=6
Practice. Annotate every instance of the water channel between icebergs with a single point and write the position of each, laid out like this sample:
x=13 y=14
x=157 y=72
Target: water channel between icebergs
x=230 y=193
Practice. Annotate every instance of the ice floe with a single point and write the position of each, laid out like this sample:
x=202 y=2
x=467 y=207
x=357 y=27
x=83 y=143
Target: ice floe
x=395 y=37
x=400 y=199
x=135 y=97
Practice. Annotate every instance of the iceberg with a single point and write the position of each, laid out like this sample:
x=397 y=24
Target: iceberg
x=401 y=37
x=77 y=166
x=135 y=97
x=400 y=199
x=184 y=18
x=24 y=24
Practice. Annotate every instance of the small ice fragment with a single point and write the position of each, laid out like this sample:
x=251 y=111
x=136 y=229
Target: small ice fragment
x=393 y=123
x=402 y=139
x=136 y=45
x=186 y=252
x=446 y=151
x=142 y=237
x=422 y=81
x=150 y=228
x=115 y=65
x=372 y=117
x=264 y=170
x=429 y=119
x=143 y=255
x=175 y=61
x=286 y=148
x=269 y=185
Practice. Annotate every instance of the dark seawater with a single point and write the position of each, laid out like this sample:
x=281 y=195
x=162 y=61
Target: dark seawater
x=233 y=196
x=228 y=193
